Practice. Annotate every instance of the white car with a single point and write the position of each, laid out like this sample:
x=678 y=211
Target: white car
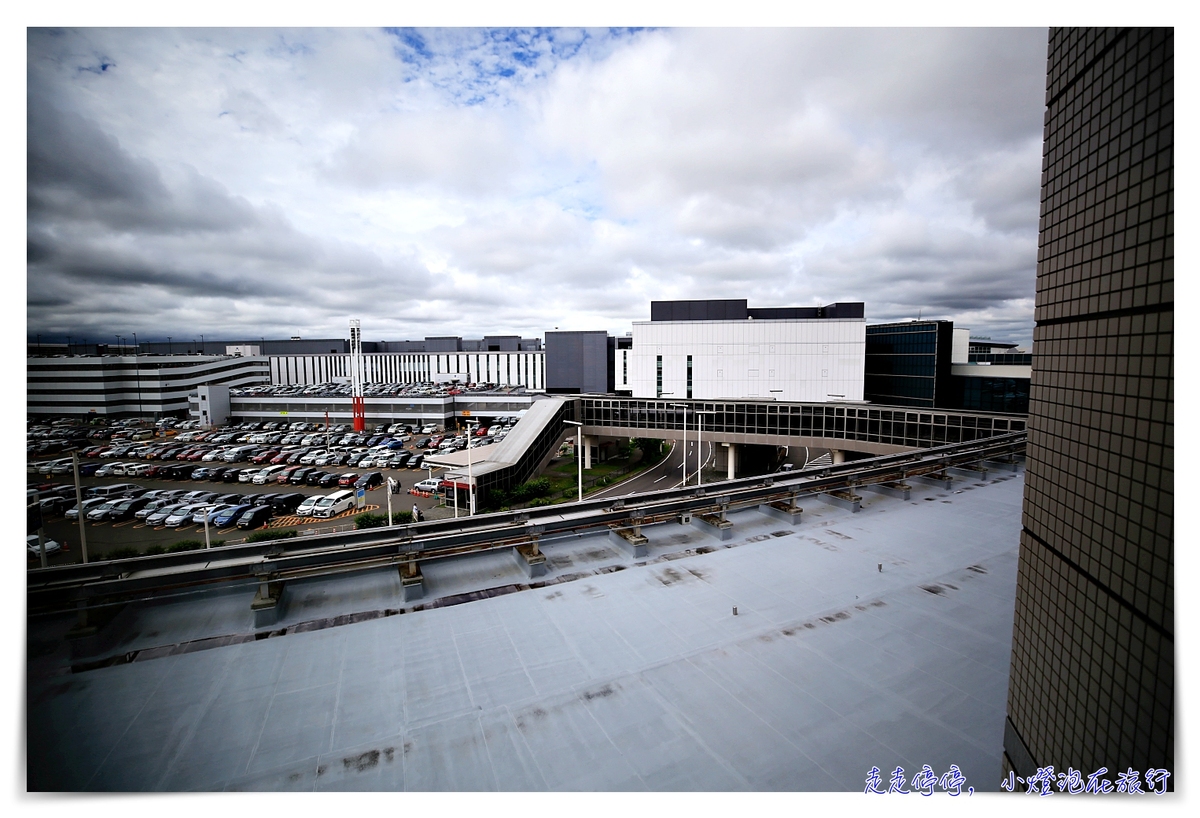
x=52 y=547
x=107 y=469
x=264 y=476
x=334 y=504
x=306 y=508
x=427 y=485
x=137 y=469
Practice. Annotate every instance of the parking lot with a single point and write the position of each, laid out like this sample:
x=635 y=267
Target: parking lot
x=310 y=464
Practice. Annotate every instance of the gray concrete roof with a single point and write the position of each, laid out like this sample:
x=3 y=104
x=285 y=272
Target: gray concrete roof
x=615 y=675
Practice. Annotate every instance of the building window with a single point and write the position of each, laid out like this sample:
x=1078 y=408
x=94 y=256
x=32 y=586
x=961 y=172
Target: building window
x=624 y=367
x=658 y=381
x=689 y=377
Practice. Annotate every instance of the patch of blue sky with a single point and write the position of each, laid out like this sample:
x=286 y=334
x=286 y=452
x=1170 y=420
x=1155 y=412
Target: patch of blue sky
x=478 y=66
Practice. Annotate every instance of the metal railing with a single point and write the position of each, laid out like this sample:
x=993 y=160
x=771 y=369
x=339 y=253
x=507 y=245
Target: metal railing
x=67 y=587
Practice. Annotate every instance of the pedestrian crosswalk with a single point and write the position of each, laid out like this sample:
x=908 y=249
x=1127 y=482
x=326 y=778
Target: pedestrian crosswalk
x=824 y=460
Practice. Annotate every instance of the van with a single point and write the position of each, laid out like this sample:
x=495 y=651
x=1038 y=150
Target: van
x=333 y=504
x=427 y=485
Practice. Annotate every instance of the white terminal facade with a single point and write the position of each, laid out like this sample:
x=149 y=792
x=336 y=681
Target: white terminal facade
x=706 y=350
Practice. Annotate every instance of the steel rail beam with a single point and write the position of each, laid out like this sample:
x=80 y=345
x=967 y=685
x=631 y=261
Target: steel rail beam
x=65 y=587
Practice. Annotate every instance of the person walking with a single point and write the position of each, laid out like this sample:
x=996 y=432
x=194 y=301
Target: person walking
x=416 y=513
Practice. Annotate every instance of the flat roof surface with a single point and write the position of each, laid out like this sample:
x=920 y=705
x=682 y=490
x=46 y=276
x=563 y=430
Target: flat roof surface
x=617 y=674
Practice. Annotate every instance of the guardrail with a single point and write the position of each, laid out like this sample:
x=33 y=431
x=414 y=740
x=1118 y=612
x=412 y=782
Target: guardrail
x=66 y=587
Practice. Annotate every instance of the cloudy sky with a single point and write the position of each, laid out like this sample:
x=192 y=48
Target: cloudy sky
x=266 y=182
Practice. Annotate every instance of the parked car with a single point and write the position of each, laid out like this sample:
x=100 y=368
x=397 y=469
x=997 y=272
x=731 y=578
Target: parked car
x=101 y=512
x=288 y=502
x=211 y=511
x=159 y=516
x=348 y=478
x=231 y=515
x=183 y=515
x=151 y=507
x=431 y=484
x=72 y=513
x=369 y=480
x=334 y=504
x=255 y=517
x=125 y=509
x=35 y=551
x=306 y=508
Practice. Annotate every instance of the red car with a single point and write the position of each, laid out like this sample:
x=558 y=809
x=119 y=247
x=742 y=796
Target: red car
x=347 y=479
x=265 y=456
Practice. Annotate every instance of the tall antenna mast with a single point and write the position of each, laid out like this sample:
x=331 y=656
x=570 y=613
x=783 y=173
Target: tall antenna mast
x=356 y=376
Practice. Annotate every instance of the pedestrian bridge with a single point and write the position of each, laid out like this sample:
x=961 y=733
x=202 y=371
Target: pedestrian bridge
x=860 y=427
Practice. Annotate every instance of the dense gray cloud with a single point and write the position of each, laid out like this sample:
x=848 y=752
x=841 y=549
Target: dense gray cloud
x=240 y=183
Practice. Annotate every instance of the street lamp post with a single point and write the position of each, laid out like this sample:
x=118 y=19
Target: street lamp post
x=79 y=505
x=578 y=452
x=683 y=406
x=700 y=446
x=170 y=349
x=470 y=476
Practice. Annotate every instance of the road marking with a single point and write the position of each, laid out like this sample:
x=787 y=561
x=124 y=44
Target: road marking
x=659 y=480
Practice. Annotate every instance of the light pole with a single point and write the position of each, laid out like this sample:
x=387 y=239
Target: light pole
x=470 y=477
x=683 y=406
x=170 y=349
x=700 y=446
x=578 y=452
x=391 y=487
x=79 y=505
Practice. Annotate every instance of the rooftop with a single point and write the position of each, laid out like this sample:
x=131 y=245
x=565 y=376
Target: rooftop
x=609 y=673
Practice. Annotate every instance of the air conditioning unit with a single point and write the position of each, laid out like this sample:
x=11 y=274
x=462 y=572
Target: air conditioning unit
x=685 y=518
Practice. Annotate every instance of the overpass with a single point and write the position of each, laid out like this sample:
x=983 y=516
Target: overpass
x=868 y=428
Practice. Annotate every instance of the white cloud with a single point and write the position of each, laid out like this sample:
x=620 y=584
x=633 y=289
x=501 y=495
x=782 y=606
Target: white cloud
x=465 y=181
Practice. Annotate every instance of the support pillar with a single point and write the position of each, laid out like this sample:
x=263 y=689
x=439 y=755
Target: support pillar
x=412 y=584
x=837 y=456
x=730 y=460
x=587 y=452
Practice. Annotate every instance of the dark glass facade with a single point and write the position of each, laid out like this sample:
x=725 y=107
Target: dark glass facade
x=908 y=364
x=989 y=394
x=1091 y=683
